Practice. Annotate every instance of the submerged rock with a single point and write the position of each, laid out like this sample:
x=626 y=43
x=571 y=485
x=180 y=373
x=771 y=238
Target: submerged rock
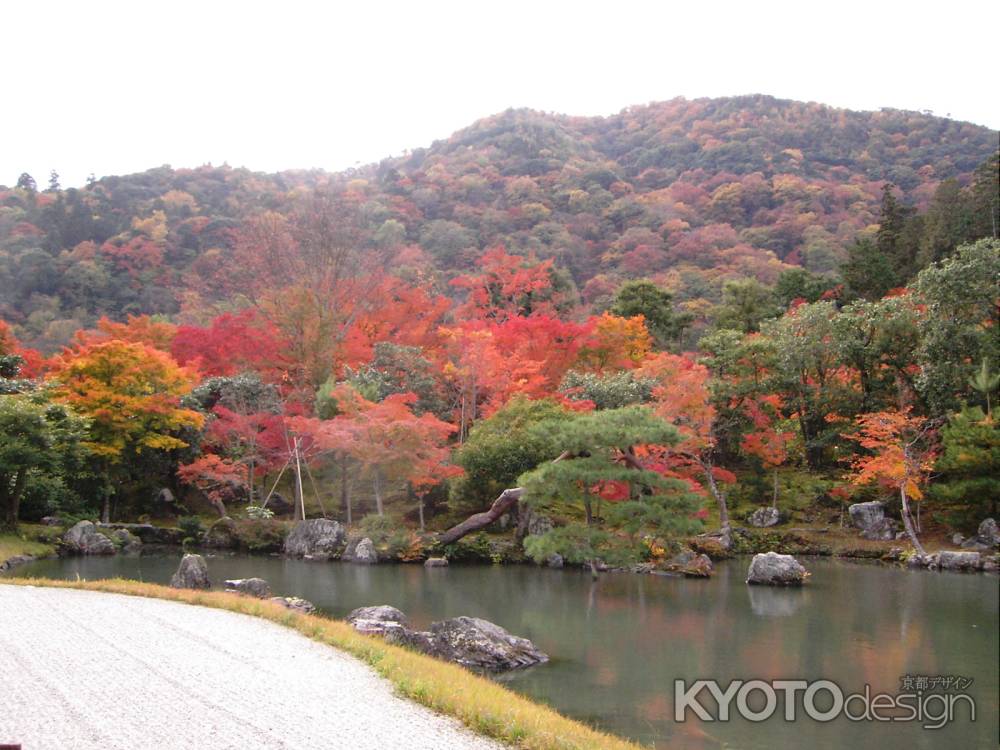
x=256 y=587
x=555 y=560
x=762 y=518
x=316 y=539
x=772 y=569
x=192 y=573
x=85 y=539
x=436 y=562
x=294 y=603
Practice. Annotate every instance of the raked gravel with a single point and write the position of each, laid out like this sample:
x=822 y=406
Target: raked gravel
x=84 y=670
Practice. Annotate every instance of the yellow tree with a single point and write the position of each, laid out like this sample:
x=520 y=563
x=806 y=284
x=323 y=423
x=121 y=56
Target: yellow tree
x=131 y=393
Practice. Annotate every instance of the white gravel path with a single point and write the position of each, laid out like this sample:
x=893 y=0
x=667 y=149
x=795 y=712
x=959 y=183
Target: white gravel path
x=84 y=670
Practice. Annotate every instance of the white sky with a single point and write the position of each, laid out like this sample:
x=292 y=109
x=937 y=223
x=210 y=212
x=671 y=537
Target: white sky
x=119 y=87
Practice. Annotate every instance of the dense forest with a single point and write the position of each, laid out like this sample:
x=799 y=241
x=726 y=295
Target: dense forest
x=636 y=323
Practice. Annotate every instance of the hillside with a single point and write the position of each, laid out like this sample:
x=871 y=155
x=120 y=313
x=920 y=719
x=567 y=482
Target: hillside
x=688 y=193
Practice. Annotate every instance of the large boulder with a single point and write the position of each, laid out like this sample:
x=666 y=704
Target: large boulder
x=436 y=562
x=295 y=604
x=255 y=587
x=192 y=573
x=469 y=641
x=316 y=539
x=763 y=518
x=85 y=539
x=870 y=518
x=772 y=569
x=364 y=553
x=480 y=644
x=961 y=561
x=127 y=542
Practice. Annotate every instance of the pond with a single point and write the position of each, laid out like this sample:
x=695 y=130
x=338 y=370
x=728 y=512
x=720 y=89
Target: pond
x=618 y=644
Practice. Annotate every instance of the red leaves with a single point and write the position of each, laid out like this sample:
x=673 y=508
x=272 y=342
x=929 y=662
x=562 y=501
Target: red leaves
x=509 y=286
x=232 y=343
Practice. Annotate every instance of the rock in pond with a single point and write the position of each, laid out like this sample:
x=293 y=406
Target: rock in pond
x=192 y=573
x=436 y=562
x=555 y=560
x=295 y=603
x=127 y=542
x=364 y=553
x=698 y=567
x=85 y=539
x=256 y=587
x=480 y=644
x=763 y=518
x=469 y=641
x=772 y=569
x=316 y=539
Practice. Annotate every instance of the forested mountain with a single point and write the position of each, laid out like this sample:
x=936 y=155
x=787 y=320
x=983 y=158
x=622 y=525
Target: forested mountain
x=690 y=194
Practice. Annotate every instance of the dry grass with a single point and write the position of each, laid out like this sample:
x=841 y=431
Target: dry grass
x=479 y=703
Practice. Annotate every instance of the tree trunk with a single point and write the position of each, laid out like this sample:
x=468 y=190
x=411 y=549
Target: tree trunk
x=12 y=498
x=586 y=506
x=908 y=523
x=106 y=509
x=345 y=491
x=774 y=497
x=506 y=500
x=377 y=486
x=720 y=498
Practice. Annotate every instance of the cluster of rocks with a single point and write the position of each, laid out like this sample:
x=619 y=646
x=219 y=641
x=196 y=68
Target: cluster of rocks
x=88 y=538
x=987 y=538
x=773 y=569
x=470 y=641
x=85 y=539
x=691 y=564
x=959 y=561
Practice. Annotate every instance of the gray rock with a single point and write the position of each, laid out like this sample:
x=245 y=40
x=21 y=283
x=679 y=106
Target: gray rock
x=316 y=539
x=379 y=613
x=989 y=533
x=85 y=539
x=957 y=539
x=866 y=515
x=480 y=644
x=436 y=562
x=533 y=524
x=772 y=569
x=51 y=521
x=762 y=518
x=991 y=564
x=127 y=542
x=882 y=531
x=382 y=620
x=255 y=587
x=364 y=553
x=922 y=561
x=964 y=561
x=295 y=603
x=279 y=505
x=555 y=560
x=13 y=562
x=192 y=573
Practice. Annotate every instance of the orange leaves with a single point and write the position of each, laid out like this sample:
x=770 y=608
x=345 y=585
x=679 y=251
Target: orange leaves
x=131 y=392
x=899 y=454
x=682 y=397
x=615 y=343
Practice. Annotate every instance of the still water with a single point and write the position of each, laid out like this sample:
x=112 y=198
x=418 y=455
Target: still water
x=618 y=644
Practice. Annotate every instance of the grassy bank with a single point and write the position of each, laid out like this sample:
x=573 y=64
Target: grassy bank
x=479 y=703
x=37 y=541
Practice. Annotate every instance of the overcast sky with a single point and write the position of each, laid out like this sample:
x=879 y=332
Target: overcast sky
x=112 y=88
